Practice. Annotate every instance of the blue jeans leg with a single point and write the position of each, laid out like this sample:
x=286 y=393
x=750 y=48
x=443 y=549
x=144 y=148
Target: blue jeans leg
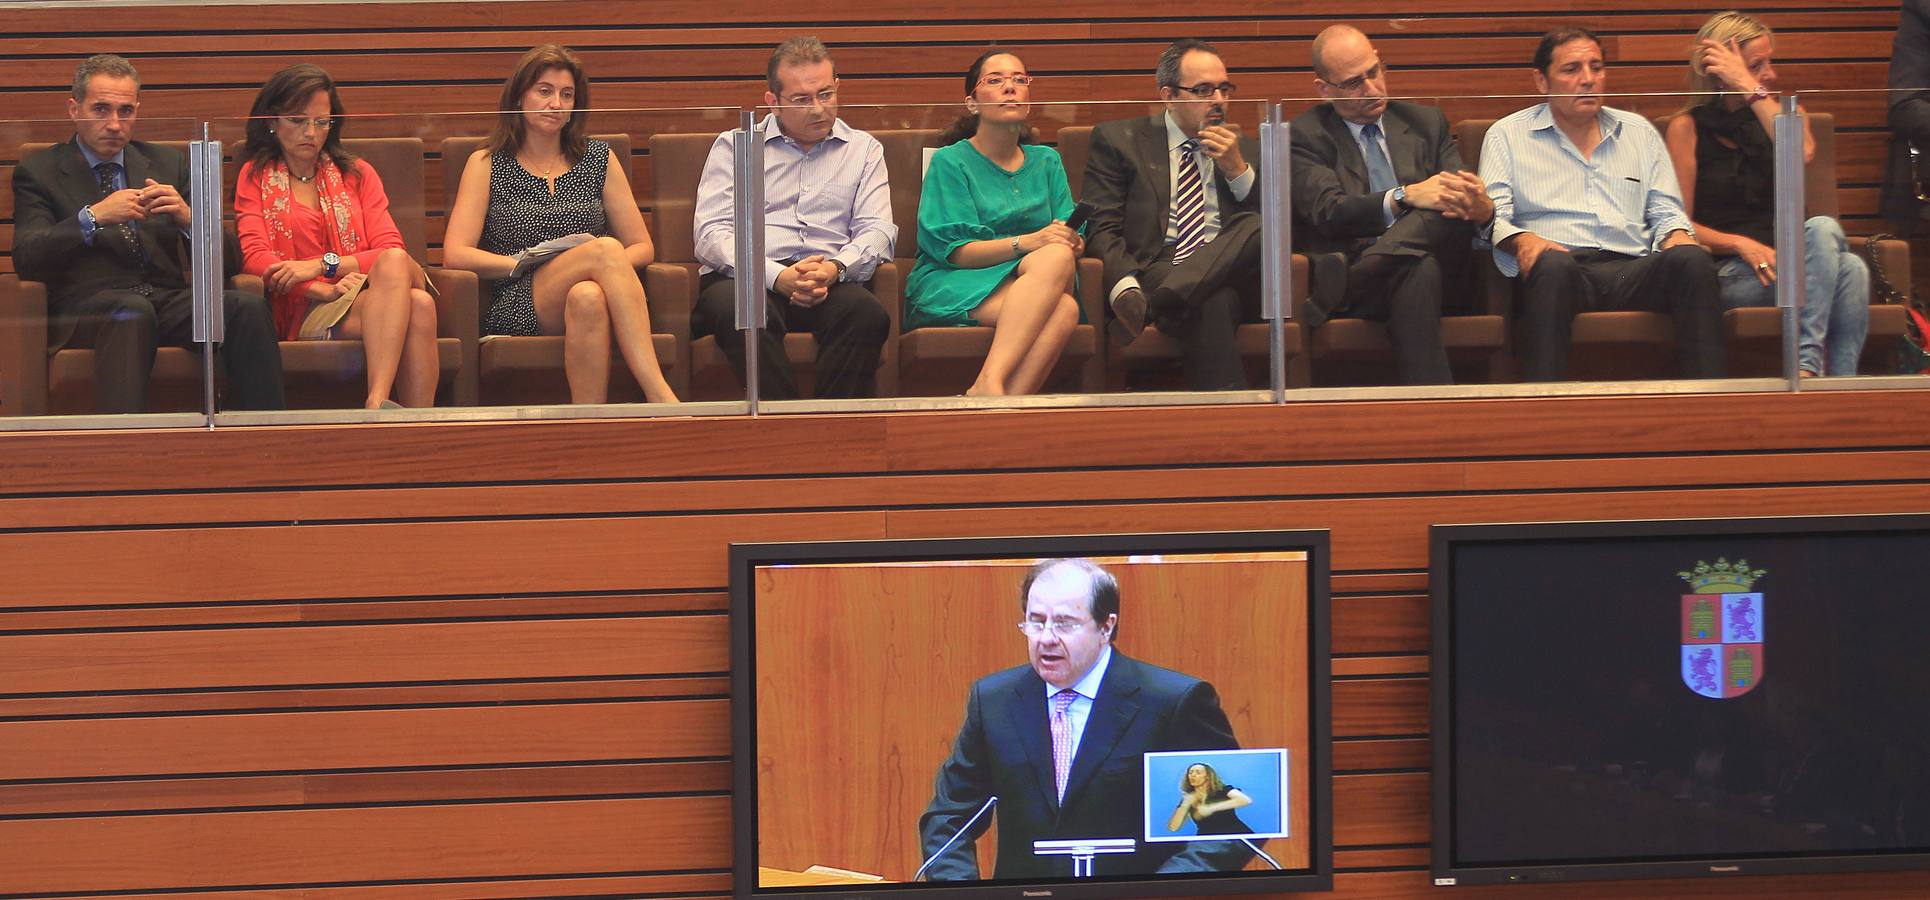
x=1836 y=313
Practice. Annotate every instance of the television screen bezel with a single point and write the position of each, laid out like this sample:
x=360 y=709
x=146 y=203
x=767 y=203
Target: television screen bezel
x=1442 y=539
x=745 y=558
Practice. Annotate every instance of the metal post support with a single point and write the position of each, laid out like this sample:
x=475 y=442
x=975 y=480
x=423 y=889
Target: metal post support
x=747 y=222
x=208 y=323
x=1276 y=233
x=1789 y=232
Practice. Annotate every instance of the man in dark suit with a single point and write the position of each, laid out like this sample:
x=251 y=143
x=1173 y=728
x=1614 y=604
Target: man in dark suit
x=1059 y=742
x=1379 y=184
x=103 y=220
x=1176 y=218
x=1909 y=119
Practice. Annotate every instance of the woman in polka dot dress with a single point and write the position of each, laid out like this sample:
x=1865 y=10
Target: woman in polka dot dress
x=538 y=178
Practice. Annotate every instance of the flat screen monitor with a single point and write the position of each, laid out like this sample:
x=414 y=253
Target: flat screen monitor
x=1096 y=716
x=1660 y=699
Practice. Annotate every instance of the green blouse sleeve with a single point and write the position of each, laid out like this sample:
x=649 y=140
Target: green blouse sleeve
x=1062 y=204
x=948 y=214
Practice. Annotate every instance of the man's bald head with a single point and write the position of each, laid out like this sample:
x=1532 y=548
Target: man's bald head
x=1334 y=38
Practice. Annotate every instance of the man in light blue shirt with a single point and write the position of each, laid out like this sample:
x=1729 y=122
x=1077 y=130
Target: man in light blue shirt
x=1588 y=216
x=827 y=227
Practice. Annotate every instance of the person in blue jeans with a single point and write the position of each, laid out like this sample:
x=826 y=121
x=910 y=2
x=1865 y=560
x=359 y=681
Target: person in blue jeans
x=1725 y=160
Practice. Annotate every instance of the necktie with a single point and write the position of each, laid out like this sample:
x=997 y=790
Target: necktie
x=1189 y=204
x=1062 y=738
x=1380 y=173
x=107 y=172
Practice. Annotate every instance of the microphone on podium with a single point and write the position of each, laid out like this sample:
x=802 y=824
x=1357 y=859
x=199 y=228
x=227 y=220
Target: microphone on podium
x=988 y=804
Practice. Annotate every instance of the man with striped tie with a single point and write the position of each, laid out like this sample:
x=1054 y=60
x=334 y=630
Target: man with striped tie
x=1379 y=189
x=1176 y=218
x=1588 y=216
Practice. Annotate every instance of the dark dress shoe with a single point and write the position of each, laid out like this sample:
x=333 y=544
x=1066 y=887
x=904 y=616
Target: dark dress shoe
x=1128 y=316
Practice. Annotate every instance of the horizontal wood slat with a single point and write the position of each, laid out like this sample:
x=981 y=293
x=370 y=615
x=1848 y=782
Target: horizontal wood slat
x=362 y=739
x=474 y=694
x=269 y=656
x=363 y=844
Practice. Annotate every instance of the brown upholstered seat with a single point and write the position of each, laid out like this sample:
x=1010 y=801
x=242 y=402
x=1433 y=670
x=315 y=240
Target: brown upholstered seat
x=676 y=165
x=940 y=360
x=1153 y=360
x=517 y=370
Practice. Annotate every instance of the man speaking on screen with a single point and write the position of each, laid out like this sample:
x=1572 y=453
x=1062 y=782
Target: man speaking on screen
x=1060 y=743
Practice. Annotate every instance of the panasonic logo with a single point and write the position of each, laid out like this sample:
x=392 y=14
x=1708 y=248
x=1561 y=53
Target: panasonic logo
x=1035 y=893
x=1725 y=868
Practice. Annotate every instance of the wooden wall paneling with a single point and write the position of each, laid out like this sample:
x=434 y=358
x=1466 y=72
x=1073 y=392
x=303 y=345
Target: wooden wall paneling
x=256 y=563
x=509 y=734
x=230 y=700
x=1380 y=809
x=372 y=654
x=470 y=840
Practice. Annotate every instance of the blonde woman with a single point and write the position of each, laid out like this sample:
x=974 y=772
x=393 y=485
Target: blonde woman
x=1725 y=160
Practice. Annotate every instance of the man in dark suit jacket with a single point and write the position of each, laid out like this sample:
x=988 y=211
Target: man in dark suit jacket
x=1380 y=184
x=101 y=220
x=1059 y=743
x=1909 y=118
x=1193 y=266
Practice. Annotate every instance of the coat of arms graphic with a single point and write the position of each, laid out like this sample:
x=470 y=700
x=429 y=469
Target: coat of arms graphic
x=1722 y=629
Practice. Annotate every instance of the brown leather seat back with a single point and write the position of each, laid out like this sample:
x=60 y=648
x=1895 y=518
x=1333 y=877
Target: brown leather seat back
x=676 y=165
x=905 y=163
x=1075 y=142
x=398 y=161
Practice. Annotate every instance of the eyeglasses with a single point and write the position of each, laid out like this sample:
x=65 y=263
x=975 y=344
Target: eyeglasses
x=1064 y=628
x=1206 y=91
x=997 y=81
x=1355 y=84
x=825 y=96
x=303 y=123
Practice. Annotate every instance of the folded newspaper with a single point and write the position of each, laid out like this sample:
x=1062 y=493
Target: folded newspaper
x=548 y=250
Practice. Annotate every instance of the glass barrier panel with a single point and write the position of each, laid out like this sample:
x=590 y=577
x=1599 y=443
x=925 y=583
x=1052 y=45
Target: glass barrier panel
x=523 y=310
x=1855 y=304
x=96 y=273
x=1423 y=293
x=985 y=306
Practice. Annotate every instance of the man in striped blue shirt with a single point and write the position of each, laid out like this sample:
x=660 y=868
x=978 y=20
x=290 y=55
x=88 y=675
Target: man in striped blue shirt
x=1588 y=216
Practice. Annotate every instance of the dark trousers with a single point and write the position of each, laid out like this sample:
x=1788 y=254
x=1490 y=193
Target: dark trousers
x=1680 y=281
x=1398 y=281
x=850 y=326
x=1202 y=301
x=125 y=328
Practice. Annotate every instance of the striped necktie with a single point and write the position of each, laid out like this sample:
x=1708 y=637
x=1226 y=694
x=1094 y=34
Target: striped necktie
x=1189 y=204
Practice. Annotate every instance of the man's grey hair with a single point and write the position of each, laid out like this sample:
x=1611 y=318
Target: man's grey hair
x=102 y=64
x=1167 y=74
x=799 y=50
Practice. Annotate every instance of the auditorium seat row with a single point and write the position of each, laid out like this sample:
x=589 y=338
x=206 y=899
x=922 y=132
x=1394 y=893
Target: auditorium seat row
x=498 y=370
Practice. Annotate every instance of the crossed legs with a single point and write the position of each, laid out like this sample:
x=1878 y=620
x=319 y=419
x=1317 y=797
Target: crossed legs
x=1032 y=314
x=586 y=294
x=395 y=319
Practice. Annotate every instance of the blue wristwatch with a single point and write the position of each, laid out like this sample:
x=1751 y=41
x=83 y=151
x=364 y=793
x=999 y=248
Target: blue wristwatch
x=330 y=264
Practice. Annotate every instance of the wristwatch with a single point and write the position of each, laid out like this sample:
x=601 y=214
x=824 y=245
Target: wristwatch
x=1400 y=197
x=330 y=264
x=840 y=264
x=88 y=223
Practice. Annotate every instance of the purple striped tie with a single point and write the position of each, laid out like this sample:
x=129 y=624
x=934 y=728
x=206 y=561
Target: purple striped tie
x=1062 y=737
x=1189 y=204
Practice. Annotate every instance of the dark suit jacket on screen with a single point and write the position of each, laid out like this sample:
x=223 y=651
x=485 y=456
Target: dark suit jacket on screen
x=1334 y=211
x=1005 y=749
x=1129 y=175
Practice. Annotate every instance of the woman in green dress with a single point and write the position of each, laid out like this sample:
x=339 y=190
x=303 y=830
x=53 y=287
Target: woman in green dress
x=993 y=247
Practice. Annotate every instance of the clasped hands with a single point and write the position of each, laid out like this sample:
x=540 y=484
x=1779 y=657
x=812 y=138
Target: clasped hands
x=136 y=204
x=1054 y=233
x=806 y=282
x=1455 y=195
